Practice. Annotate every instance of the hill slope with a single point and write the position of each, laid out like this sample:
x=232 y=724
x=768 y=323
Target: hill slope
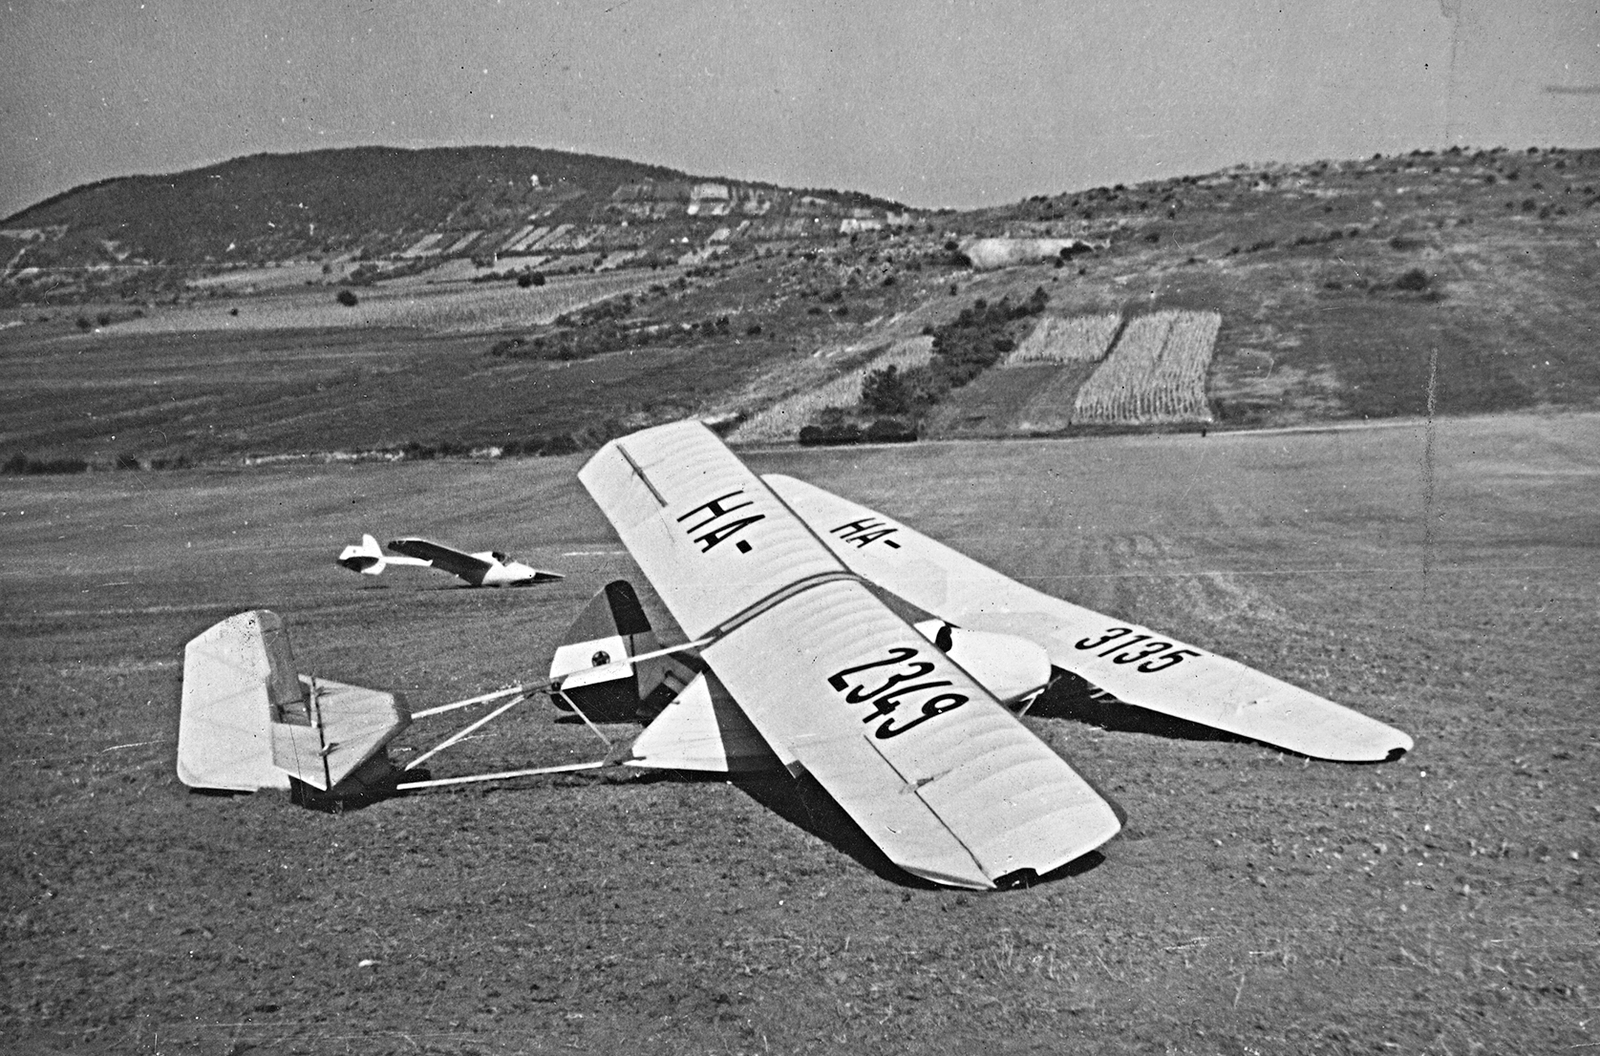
x=1451 y=283
x=363 y=200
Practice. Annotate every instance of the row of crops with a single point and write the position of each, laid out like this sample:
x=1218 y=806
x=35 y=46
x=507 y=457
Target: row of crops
x=1155 y=374
x=1075 y=339
x=1146 y=370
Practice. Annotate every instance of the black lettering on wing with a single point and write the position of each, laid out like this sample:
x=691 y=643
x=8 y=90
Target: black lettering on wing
x=713 y=529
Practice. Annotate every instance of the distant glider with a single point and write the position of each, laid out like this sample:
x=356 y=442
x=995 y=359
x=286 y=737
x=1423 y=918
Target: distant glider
x=491 y=568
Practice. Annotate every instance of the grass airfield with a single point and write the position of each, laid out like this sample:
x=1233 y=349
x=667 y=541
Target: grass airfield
x=1443 y=579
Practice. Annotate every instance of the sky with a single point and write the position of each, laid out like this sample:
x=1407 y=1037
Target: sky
x=930 y=102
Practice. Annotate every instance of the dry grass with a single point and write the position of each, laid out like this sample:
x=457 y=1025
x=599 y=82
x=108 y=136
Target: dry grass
x=1279 y=905
x=1156 y=373
x=1078 y=339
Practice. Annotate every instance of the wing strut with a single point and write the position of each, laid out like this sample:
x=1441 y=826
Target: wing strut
x=453 y=738
x=518 y=694
x=556 y=691
x=484 y=699
x=565 y=768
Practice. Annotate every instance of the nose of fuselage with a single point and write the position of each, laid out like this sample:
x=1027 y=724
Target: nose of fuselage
x=1011 y=668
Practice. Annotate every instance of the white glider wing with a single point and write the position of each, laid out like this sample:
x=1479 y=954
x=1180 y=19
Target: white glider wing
x=935 y=772
x=1134 y=663
x=469 y=567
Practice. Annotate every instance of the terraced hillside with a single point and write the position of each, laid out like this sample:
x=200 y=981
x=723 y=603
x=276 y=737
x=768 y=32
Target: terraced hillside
x=399 y=212
x=1444 y=283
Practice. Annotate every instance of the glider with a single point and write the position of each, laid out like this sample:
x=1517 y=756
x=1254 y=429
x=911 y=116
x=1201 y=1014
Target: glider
x=795 y=659
x=490 y=568
x=775 y=582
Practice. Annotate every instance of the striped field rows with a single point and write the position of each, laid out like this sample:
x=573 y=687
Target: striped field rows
x=1156 y=373
x=1078 y=339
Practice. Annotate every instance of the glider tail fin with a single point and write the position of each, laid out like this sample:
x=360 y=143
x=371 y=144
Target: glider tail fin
x=594 y=668
x=249 y=722
x=365 y=557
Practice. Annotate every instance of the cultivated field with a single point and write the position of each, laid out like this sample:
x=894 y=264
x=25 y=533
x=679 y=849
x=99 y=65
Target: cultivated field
x=1156 y=374
x=410 y=305
x=1442 y=579
x=1072 y=339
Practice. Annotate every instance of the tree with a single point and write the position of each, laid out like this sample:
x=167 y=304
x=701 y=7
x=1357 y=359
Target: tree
x=885 y=391
x=348 y=298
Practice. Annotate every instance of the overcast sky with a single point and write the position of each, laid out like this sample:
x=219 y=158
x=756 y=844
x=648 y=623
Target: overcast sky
x=932 y=102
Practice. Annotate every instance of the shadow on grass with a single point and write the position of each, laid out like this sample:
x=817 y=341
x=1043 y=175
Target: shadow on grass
x=804 y=803
x=807 y=805
x=1070 y=697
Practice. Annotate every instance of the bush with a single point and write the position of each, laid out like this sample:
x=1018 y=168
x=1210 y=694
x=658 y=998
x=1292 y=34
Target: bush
x=818 y=435
x=885 y=391
x=348 y=298
x=890 y=431
x=1414 y=281
x=560 y=444
x=20 y=463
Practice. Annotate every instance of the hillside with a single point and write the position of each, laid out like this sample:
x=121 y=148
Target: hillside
x=371 y=202
x=1269 y=295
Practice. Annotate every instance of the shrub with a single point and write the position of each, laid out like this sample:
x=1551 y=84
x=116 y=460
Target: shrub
x=885 y=391
x=20 y=463
x=559 y=444
x=817 y=435
x=1414 y=281
x=890 y=431
x=348 y=298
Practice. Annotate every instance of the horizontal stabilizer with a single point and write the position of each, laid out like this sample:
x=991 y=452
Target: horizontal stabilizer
x=369 y=559
x=347 y=726
x=248 y=722
x=702 y=729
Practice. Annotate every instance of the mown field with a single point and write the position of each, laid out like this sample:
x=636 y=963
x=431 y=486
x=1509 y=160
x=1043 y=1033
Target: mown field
x=1442 y=579
x=221 y=396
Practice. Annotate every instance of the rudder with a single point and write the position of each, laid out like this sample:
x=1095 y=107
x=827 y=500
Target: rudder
x=594 y=668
